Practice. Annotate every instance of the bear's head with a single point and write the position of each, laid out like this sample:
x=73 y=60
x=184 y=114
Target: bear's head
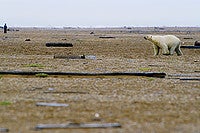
x=148 y=37
x=151 y=39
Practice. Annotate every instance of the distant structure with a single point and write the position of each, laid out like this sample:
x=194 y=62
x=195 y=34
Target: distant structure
x=5 y=28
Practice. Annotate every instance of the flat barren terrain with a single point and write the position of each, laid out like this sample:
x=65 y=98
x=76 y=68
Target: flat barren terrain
x=138 y=103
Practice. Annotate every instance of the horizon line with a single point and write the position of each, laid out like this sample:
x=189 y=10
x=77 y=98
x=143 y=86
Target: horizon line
x=87 y=27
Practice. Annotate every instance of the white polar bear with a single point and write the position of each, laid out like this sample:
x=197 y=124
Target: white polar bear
x=168 y=44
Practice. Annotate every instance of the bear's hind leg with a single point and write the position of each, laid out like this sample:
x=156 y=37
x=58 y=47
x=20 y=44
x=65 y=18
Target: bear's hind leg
x=178 y=51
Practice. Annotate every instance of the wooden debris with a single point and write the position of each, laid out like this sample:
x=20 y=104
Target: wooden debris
x=3 y=130
x=187 y=38
x=27 y=39
x=69 y=57
x=59 y=45
x=154 y=65
x=191 y=47
x=92 y=57
x=75 y=92
x=198 y=79
x=52 y=104
x=183 y=75
x=78 y=125
x=106 y=37
x=146 y=74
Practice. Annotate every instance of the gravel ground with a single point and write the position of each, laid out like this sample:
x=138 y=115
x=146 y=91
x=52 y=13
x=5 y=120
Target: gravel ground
x=139 y=104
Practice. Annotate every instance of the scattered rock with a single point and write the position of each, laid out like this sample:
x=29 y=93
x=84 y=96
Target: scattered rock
x=27 y=39
x=197 y=43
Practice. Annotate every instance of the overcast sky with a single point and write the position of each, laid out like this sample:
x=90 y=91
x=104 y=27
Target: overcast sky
x=99 y=13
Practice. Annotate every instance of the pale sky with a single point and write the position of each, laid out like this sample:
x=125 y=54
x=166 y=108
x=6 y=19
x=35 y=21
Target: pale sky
x=99 y=13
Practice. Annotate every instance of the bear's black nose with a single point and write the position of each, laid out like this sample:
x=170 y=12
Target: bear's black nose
x=145 y=37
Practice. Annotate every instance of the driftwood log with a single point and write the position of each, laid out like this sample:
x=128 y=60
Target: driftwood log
x=146 y=74
x=187 y=38
x=197 y=79
x=191 y=47
x=106 y=37
x=52 y=104
x=69 y=56
x=183 y=75
x=4 y=130
x=194 y=77
x=65 y=92
x=77 y=125
x=59 y=45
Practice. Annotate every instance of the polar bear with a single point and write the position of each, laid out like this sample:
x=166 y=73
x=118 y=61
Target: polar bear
x=168 y=44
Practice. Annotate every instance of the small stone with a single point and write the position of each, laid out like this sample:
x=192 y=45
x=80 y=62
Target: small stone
x=97 y=115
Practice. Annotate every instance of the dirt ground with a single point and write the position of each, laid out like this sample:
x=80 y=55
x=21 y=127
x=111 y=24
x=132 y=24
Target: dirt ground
x=139 y=104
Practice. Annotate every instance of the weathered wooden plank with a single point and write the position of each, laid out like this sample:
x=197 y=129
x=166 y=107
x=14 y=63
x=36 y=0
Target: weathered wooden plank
x=197 y=79
x=191 y=47
x=78 y=125
x=69 y=56
x=59 y=44
x=183 y=75
x=52 y=104
x=106 y=37
x=147 y=74
x=187 y=38
x=72 y=92
x=155 y=65
x=4 y=130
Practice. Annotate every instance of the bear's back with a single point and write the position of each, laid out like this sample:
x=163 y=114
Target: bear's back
x=170 y=39
x=167 y=39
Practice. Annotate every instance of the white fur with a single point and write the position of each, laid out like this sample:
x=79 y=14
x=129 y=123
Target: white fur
x=168 y=44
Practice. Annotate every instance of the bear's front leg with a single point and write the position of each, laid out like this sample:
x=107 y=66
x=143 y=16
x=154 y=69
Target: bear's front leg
x=156 y=49
x=165 y=50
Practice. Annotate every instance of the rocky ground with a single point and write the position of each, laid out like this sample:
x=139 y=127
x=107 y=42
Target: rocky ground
x=139 y=104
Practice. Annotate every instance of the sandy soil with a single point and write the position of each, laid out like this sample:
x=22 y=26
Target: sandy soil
x=139 y=104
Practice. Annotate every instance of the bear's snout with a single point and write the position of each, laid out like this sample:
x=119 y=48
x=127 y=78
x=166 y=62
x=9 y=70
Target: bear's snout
x=145 y=38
